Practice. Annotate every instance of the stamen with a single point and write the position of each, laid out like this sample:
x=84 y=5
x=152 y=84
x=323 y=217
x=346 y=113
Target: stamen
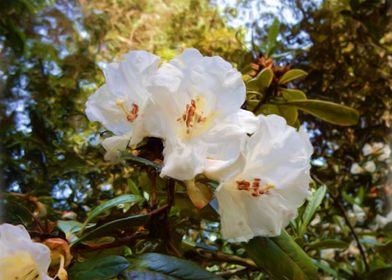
x=254 y=187
x=191 y=116
x=130 y=115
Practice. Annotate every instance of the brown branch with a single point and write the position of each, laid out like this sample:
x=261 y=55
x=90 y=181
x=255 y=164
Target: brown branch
x=335 y=198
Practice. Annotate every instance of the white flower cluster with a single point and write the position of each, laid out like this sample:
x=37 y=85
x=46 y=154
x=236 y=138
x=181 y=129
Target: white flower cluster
x=193 y=103
x=20 y=257
x=375 y=151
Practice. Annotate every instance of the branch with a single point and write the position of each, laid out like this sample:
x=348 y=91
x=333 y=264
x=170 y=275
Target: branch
x=336 y=201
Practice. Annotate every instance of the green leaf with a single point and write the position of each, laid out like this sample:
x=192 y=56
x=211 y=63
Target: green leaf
x=385 y=251
x=270 y=253
x=291 y=75
x=328 y=243
x=169 y=266
x=326 y=268
x=140 y=161
x=292 y=94
x=98 y=269
x=311 y=208
x=288 y=112
x=273 y=33
x=262 y=81
x=110 y=227
x=70 y=226
x=126 y=198
x=327 y=111
x=146 y=275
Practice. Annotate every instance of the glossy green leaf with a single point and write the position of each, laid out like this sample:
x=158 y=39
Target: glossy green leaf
x=113 y=226
x=290 y=113
x=171 y=266
x=281 y=257
x=291 y=75
x=140 y=161
x=268 y=109
x=273 y=33
x=326 y=244
x=311 y=208
x=98 y=269
x=126 y=198
x=292 y=94
x=262 y=81
x=146 y=275
x=327 y=111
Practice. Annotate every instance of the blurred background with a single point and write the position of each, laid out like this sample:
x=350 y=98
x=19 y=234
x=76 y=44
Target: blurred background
x=51 y=58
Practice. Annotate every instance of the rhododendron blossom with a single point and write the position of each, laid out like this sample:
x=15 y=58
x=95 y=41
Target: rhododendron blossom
x=20 y=257
x=198 y=99
x=120 y=103
x=261 y=195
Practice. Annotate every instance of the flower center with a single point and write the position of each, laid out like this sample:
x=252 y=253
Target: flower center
x=193 y=121
x=254 y=187
x=19 y=266
x=132 y=114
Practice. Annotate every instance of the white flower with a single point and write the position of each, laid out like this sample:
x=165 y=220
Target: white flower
x=20 y=257
x=198 y=99
x=119 y=105
x=356 y=169
x=382 y=221
x=370 y=166
x=273 y=182
x=379 y=149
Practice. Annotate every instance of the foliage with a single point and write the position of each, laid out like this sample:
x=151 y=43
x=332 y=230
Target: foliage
x=52 y=164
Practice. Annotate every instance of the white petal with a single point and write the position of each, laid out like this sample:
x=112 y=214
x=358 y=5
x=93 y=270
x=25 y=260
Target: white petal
x=114 y=145
x=275 y=154
x=370 y=166
x=367 y=149
x=356 y=169
x=101 y=106
x=182 y=162
x=129 y=76
x=16 y=240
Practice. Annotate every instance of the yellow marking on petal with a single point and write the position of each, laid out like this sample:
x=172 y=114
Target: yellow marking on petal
x=19 y=266
x=194 y=121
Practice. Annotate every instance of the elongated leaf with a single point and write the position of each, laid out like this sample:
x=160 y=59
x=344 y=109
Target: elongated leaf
x=288 y=112
x=113 y=226
x=291 y=248
x=146 y=275
x=292 y=94
x=327 y=111
x=98 y=269
x=281 y=257
x=126 y=198
x=171 y=266
x=262 y=81
x=141 y=161
x=326 y=244
x=273 y=33
x=291 y=75
x=311 y=208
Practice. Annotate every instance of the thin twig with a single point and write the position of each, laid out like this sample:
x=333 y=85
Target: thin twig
x=336 y=201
